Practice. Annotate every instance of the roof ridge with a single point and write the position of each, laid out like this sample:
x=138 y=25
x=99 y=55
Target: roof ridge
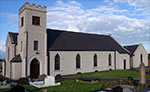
x=77 y=32
x=12 y=33
x=119 y=44
x=131 y=45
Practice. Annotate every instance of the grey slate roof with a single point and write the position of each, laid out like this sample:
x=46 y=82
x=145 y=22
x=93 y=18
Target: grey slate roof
x=58 y=40
x=13 y=37
x=17 y=58
x=131 y=48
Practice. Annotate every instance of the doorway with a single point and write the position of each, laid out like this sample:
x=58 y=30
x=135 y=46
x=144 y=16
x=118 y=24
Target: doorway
x=34 y=68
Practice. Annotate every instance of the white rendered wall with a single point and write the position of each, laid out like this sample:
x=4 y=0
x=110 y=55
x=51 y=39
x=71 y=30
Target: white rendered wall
x=136 y=58
x=68 y=61
x=10 y=56
x=16 y=70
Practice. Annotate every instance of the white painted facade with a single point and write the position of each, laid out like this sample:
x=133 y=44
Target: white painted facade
x=137 y=56
x=68 y=61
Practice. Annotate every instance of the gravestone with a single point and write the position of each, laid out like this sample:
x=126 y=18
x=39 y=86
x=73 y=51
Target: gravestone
x=142 y=77
x=50 y=80
x=41 y=77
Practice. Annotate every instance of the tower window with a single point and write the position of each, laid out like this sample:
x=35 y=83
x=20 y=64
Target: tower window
x=35 y=20
x=35 y=45
x=22 y=20
x=21 y=46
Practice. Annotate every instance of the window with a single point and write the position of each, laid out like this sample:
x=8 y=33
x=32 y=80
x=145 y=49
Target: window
x=21 y=46
x=124 y=63
x=35 y=45
x=95 y=60
x=141 y=58
x=22 y=21
x=109 y=60
x=35 y=20
x=57 y=62
x=78 y=61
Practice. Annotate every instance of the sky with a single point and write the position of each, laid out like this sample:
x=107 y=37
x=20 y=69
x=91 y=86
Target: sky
x=127 y=20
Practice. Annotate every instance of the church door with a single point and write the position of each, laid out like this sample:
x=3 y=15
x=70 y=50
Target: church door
x=34 y=68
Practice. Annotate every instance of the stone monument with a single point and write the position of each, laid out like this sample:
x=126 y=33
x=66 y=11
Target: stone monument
x=142 y=75
x=48 y=81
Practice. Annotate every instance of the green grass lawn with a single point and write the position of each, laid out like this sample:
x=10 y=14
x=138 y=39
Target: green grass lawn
x=73 y=86
x=148 y=69
x=110 y=74
x=68 y=86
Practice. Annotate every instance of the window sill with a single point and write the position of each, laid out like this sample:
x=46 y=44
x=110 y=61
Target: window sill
x=57 y=70
x=36 y=25
x=95 y=67
x=37 y=51
x=78 y=69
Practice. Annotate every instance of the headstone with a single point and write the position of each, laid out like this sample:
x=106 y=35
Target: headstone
x=142 y=77
x=41 y=77
x=127 y=90
x=4 y=82
x=49 y=80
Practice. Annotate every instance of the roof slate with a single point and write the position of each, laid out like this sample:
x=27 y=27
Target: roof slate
x=131 y=48
x=58 y=40
x=17 y=58
x=13 y=37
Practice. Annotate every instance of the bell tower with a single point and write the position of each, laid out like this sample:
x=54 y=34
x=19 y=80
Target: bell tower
x=32 y=38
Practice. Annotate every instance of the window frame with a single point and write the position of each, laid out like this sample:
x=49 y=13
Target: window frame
x=109 y=60
x=78 y=61
x=141 y=58
x=22 y=21
x=95 y=60
x=36 y=20
x=57 y=62
x=21 y=46
x=35 y=44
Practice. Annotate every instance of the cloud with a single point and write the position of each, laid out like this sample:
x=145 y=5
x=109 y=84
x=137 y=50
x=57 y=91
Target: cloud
x=139 y=7
x=2 y=49
x=103 y=20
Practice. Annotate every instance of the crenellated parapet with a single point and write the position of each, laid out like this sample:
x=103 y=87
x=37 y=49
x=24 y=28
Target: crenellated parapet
x=32 y=7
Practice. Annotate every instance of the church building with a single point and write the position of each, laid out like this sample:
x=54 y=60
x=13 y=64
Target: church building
x=36 y=50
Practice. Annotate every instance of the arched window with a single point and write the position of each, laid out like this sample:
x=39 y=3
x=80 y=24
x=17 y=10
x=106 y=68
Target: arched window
x=78 y=61
x=141 y=57
x=109 y=60
x=95 y=60
x=57 y=62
